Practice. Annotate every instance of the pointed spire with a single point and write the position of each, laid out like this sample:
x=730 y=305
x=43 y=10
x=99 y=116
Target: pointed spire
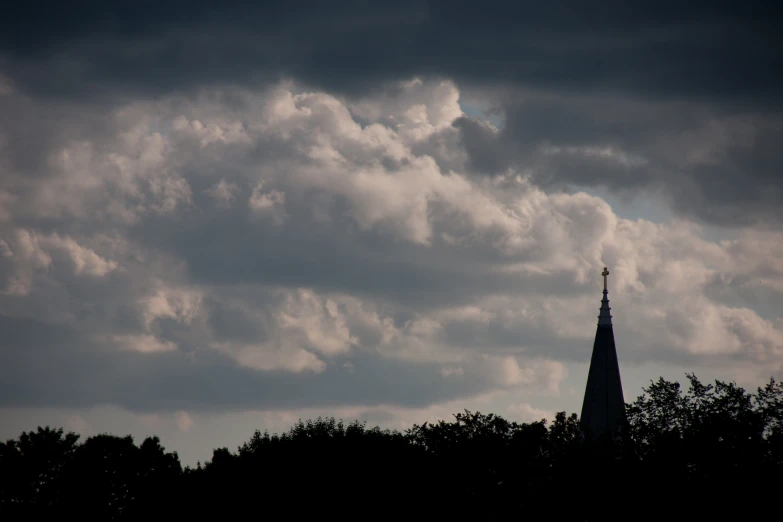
x=603 y=408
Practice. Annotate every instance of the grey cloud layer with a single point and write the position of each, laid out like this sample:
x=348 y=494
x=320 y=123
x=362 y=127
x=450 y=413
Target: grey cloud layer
x=241 y=249
x=721 y=50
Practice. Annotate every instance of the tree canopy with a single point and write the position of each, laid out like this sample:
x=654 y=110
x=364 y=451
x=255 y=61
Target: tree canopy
x=702 y=451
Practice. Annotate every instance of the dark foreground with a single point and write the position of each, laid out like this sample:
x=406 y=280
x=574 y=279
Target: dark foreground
x=713 y=451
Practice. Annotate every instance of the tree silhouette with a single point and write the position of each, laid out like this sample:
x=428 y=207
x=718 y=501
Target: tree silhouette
x=712 y=440
x=696 y=450
x=31 y=470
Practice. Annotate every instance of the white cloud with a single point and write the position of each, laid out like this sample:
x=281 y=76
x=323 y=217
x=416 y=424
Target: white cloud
x=270 y=203
x=415 y=109
x=78 y=424
x=272 y=356
x=449 y=371
x=144 y=343
x=85 y=261
x=320 y=322
x=179 y=304
x=527 y=413
x=508 y=372
x=223 y=192
x=27 y=254
x=509 y=273
x=213 y=132
x=183 y=420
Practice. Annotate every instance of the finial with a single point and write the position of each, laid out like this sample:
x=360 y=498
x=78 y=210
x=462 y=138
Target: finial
x=605 y=319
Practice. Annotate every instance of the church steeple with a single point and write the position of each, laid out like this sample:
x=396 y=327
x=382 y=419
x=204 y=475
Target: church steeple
x=603 y=408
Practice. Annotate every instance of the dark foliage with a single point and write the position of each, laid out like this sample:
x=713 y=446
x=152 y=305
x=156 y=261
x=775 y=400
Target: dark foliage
x=713 y=451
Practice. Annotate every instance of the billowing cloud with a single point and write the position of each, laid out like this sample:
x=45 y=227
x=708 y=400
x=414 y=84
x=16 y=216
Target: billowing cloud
x=27 y=254
x=678 y=100
x=233 y=215
x=290 y=250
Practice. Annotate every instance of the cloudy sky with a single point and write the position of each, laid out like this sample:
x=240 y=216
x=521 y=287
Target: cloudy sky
x=217 y=217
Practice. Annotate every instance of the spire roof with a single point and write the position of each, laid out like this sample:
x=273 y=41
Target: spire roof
x=603 y=408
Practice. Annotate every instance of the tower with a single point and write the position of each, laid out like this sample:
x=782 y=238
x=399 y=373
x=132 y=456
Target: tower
x=603 y=408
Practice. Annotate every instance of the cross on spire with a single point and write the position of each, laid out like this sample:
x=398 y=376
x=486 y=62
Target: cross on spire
x=605 y=319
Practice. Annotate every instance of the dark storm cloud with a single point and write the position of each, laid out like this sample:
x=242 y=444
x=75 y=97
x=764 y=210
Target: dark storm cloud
x=698 y=49
x=720 y=165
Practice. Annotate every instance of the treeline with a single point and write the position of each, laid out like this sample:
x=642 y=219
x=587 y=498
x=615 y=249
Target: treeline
x=713 y=450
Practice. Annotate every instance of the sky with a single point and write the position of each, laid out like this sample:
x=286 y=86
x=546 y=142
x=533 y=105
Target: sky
x=217 y=217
